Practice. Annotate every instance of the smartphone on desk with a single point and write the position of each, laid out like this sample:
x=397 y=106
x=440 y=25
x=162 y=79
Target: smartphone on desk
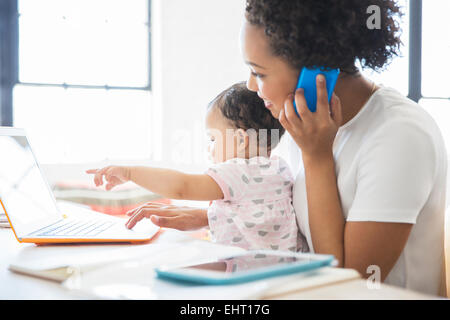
x=307 y=81
x=244 y=267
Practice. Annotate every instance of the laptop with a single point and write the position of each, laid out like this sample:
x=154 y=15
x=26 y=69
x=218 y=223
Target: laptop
x=34 y=214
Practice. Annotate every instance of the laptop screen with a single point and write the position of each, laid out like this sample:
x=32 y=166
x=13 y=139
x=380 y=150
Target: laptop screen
x=23 y=190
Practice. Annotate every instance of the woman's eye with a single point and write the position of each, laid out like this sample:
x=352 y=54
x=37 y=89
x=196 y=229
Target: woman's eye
x=257 y=75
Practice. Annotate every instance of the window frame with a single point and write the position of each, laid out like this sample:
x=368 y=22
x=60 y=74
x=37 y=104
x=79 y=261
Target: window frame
x=9 y=62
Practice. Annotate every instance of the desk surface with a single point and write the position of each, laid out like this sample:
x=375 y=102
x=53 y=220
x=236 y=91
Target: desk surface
x=16 y=286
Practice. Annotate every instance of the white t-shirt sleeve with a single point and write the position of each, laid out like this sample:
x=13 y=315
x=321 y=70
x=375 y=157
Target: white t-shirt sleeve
x=396 y=172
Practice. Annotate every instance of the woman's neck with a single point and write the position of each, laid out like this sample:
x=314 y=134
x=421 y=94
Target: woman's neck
x=353 y=91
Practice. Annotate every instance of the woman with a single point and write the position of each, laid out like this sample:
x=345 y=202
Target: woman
x=371 y=166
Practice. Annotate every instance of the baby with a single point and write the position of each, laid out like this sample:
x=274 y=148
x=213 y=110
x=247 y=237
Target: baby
x=251 y=191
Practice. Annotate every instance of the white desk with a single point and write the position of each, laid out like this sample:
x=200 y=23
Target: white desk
x=16 y=286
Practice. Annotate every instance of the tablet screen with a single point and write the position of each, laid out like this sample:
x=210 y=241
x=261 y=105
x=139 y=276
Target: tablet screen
x=248 y=262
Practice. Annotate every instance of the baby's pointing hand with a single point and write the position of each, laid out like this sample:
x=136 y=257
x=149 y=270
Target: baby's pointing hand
x=114 y=176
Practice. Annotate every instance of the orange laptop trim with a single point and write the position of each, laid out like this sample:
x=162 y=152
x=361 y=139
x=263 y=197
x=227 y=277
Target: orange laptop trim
x=76 y=240
x=7 y=217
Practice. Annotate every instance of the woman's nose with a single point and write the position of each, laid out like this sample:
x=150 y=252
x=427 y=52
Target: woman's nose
x=251 y=83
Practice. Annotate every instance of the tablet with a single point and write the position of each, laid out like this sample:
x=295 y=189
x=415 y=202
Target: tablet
x=244 y=267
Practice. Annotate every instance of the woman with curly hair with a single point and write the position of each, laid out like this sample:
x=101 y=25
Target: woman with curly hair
x=371 y=165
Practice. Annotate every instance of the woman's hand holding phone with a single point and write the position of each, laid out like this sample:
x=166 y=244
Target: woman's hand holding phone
x=314 y=132
x=307 y=81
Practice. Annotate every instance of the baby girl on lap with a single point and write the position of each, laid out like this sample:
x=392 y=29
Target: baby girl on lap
x=251 y=191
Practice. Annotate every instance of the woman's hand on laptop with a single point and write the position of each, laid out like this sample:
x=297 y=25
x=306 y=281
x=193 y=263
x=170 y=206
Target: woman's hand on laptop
x=114 y=176
x=169 y=216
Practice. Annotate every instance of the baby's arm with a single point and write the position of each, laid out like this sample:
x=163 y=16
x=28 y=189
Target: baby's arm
x=166 y=182
x=175 y=184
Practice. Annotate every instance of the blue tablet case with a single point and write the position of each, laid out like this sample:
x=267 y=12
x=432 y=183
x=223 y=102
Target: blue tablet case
x=307 y=81
x=253 y=275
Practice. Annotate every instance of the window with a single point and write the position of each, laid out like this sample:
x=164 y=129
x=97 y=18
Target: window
x=435 y=49
x=430 y=60
x=81 y=73
x=435 y=65
x=396 y=73
x=83 y=90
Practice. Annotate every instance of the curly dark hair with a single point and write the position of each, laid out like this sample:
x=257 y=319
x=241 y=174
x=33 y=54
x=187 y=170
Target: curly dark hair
x=329 y=33
x=246 y=110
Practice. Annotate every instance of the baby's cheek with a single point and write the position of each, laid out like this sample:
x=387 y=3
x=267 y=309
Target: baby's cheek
x=217 y=154
x=214 y=155
x=231 y=152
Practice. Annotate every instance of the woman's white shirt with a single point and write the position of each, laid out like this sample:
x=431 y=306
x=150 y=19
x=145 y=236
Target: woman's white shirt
x=391 y=166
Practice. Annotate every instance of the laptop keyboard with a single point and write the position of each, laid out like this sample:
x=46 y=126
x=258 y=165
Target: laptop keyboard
x=65 y=227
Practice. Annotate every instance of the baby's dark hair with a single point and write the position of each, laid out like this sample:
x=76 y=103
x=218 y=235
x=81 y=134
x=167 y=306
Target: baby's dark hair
x=246 y=110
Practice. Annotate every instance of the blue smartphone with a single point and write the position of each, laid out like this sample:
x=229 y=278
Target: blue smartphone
x=307 y=81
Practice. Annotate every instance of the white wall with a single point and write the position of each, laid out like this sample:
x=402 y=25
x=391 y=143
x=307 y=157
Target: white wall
x=195 y=55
